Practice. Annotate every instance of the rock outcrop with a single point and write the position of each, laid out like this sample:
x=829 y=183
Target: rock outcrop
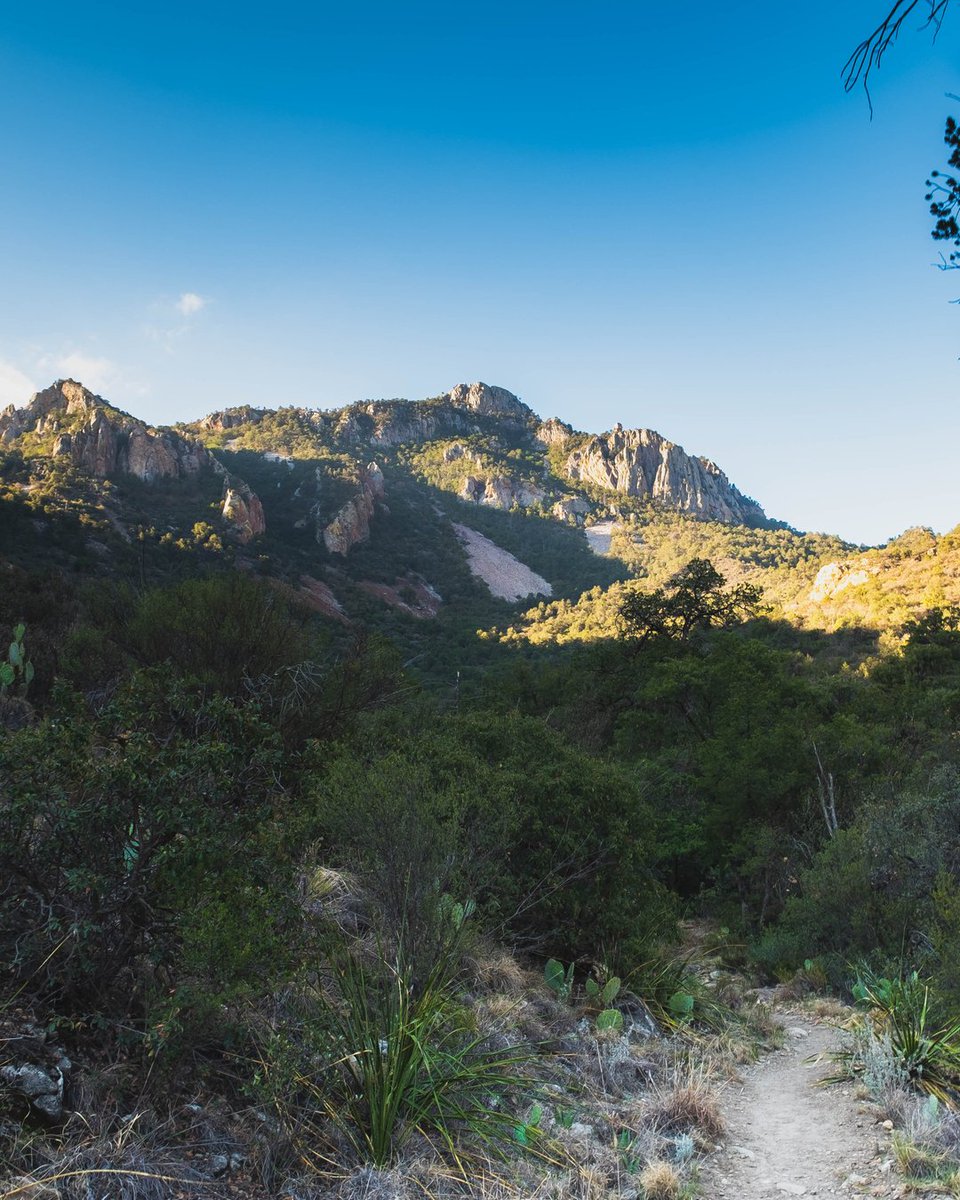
x=553 y=432
x=351 y=525
x=639 y=462
x=242 y=509
x=836 y=577
x=101 y=439
x=487 y=401
x=499 y=491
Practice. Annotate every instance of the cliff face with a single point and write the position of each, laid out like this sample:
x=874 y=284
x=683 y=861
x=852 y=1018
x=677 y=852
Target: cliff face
x=101 y=439
x=242 y=509
x=351 y=525
x=639 y=462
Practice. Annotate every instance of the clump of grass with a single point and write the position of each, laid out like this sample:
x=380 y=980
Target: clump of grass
x=372 y=1056
x=660 y=1181
x=690 y=1103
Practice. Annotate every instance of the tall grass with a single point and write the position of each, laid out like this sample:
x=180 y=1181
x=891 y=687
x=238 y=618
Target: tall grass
x=373 y=1056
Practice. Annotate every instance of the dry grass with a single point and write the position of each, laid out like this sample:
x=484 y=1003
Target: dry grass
x=660 y=1181
x=690 y=1104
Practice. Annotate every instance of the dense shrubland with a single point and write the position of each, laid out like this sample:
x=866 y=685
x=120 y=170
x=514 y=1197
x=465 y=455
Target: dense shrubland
x=234 y=848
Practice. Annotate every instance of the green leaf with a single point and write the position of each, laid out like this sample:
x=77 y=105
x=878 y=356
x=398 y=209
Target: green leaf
x=15 y=654
x=592 y=989
x=19 y=631
x=611 y=990
x=610 y=1018
x=681 y=1003
x=7 y=675
x=28 y=674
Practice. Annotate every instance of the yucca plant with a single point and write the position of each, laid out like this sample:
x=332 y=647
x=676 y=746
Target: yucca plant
x=926 y=1053
x=385 y=1058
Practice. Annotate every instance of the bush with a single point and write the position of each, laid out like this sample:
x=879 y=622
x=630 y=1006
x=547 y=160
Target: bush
x=555 y=847
x=142 y=851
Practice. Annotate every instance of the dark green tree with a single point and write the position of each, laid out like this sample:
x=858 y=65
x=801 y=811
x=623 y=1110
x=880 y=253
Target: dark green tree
x=695 y=598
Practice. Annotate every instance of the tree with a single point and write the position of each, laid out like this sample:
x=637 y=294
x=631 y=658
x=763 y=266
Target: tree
x=944 y=194
x=944 y=198
x=693 y=599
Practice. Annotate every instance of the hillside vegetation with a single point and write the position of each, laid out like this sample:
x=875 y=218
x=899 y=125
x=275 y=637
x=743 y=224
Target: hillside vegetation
x=303 y=854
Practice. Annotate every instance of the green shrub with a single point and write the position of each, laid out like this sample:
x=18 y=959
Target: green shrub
x=373 y=1055
x=556 y=847
x=139 y=849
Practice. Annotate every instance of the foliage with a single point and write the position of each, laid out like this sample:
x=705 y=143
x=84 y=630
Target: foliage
x=122 y=836
x=694 y=599
x=379 y=1054
x=944 y=194
x=559 y=981
x=556 y=846
x=924 y=1051
x=16 y=671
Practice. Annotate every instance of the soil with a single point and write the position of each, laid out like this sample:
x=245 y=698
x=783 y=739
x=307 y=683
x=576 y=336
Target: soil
x=506 y=577
x=787 y=1136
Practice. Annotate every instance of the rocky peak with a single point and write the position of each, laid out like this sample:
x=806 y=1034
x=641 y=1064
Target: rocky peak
x=640 y=462
x=99 y=438
x=487 y=401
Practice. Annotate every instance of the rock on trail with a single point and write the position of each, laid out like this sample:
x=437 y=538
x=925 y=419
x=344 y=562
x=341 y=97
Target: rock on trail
x=788 y=1137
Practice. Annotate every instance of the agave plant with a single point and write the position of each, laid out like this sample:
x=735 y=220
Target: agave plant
x=925 y=1052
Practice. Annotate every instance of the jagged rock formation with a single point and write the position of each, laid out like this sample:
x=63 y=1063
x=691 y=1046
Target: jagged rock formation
x=553 y=432
x=498 y=491
x=352 y=523
x=488 y=401
x=398 y=422
x=101 y=439
x=639 y=462
x=243 y=510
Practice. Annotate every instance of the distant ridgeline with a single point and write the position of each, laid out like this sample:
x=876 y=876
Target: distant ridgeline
x=459 y=510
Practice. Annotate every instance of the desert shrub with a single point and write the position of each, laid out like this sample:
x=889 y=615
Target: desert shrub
x=555 y=846
x=223 y=631
x=141 y=849
x=899 y=1041
x=869 y=892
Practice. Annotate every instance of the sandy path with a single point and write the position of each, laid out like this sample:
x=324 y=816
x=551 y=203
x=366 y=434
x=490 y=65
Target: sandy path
x=788 y=1137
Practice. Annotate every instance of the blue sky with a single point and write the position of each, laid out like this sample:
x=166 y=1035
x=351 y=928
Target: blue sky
x=663 y=215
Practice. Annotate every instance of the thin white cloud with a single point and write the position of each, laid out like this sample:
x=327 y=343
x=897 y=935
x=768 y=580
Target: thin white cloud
x=15 y=387
x=190 y=303
x=94 y=373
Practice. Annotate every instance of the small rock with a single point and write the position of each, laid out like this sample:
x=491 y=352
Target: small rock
x=792 y=1189
x=219 y=1165
x=888 y=1124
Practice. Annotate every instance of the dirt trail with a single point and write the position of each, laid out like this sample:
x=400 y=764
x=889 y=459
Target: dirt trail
x=788 y=1137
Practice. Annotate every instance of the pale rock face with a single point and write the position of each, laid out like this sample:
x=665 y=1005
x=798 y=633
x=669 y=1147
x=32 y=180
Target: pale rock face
x=243 y=510
x=351 y=525
x=639 y=462
x=487 y=401
x=553 y=432
x=836 y=577
x=500 y=492
x=573 y=508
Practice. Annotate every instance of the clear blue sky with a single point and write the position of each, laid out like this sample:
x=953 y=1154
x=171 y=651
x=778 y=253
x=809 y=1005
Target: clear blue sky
x=665 y=215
